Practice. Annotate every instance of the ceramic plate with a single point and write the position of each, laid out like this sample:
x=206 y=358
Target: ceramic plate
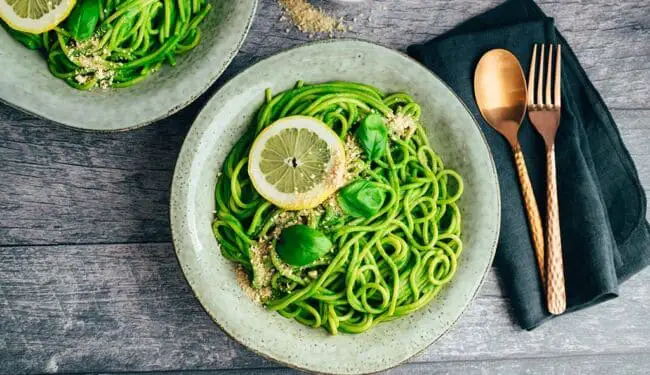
x=454 y=134
x=26 y=82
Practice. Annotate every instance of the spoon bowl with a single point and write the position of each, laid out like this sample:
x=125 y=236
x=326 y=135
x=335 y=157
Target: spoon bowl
x=500 y=90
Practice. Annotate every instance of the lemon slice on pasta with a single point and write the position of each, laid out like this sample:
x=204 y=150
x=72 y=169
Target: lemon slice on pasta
x=297 y=162
x=35 y=16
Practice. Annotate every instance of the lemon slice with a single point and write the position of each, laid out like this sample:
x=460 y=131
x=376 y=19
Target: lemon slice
x=35 y=16
x=297 y=162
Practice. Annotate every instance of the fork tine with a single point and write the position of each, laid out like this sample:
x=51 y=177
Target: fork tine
x=531 y=77
x=549 y=72
x=540 y=80
x=558 y=76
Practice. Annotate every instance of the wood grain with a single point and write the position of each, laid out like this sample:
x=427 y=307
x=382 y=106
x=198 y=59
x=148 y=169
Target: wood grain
x=110 y=296
x=591 y=365
x=611 y=40
x=100 y=188
x=125 y=307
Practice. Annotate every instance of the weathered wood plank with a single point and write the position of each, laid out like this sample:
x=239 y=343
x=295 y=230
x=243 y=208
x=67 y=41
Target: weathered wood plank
x=128 y=308
x=115 y=187
x=99 y=188
x=612 y=40
x=591 y=365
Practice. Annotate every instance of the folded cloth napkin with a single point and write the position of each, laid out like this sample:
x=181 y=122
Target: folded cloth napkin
x=605 y=235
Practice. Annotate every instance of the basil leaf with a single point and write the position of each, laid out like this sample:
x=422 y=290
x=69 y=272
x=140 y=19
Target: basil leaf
x=83 y=19
x=300 y=245
x=29 y=40
x=361 y=198
x=372 y=136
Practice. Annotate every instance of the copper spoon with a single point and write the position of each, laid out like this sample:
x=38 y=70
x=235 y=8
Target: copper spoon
x=500 y=90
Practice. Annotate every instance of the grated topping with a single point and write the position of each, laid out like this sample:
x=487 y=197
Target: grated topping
x=401 y=125
x=309 y=19
x=242 y=278
x=92 y=63
x=260 y=262
x=353 y=163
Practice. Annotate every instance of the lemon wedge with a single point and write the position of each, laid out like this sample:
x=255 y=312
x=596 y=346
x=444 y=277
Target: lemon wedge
x=297 y=162
x=35 y=16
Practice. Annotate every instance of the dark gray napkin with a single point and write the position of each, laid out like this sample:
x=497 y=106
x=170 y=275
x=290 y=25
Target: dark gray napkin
x=605 y=236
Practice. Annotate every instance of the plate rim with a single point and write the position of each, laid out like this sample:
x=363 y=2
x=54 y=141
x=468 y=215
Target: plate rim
x=177 y=108
x=185 y=149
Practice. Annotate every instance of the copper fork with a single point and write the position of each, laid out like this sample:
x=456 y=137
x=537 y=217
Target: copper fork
x=544 y=113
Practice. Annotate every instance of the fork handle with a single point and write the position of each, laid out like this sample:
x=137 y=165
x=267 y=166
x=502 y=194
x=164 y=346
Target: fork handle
x=555 y=292
x=532 y=211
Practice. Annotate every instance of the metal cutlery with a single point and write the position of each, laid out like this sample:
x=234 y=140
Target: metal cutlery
x=544 y=108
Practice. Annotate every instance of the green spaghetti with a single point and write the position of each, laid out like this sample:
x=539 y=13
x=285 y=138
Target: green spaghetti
x=390 y=255
x=117 y=43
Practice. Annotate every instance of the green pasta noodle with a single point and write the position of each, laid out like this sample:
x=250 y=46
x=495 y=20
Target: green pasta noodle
x=130 y=41
x=381 y=267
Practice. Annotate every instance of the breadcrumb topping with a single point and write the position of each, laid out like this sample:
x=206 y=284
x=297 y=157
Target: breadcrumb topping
x=401 y=125
x=353 y=163
x=259 y=260
x=309 y=19
x=256 y=295
x=92 y=65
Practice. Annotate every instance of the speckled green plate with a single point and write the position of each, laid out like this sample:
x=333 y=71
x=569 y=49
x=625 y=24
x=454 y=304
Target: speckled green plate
x=454 y=134
x=26 y=82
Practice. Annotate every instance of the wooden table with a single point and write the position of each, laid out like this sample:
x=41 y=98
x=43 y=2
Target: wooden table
x=89 y=281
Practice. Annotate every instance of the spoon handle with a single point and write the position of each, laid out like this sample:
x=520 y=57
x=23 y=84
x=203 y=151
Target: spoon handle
x=555 y=292
x=532 y=211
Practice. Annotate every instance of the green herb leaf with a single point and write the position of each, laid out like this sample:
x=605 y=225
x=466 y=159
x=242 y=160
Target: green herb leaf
x=29 y=40
x=361 y=198
x=299 y=245
x=372 y=136
x=83 y=19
